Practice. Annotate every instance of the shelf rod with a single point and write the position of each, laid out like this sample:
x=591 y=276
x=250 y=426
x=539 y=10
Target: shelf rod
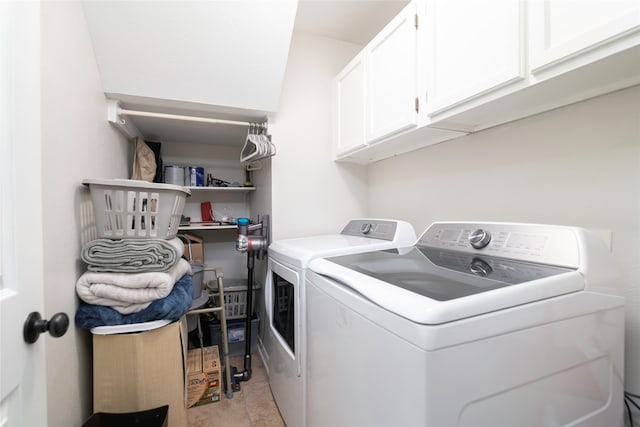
x=179 y=117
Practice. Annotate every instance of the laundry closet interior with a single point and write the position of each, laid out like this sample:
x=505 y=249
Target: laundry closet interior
x=225 y=187
x=191 y=89
x=203 y=102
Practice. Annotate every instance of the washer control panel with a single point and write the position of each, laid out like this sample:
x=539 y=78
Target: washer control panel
x=554 y=245
x=376 y=229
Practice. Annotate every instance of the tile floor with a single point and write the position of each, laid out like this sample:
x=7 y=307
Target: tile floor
x=252 y=406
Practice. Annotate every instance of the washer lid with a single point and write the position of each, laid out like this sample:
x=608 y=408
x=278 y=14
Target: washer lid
x=299 y=252
x=433 y=286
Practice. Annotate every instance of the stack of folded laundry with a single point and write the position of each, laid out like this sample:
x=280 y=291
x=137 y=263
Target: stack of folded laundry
x=133 y=281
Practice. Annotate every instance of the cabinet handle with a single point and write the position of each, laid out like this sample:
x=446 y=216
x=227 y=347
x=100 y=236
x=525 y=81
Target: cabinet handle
x=417 y=104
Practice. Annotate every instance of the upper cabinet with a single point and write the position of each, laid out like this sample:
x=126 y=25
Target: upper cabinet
x=472 y=49
x=484 y=63
x=376 y=97
x=565 y=34
x=392 y=77
x=574 y=50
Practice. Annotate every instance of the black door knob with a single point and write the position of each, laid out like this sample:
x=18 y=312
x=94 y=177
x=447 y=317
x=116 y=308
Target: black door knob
x=35 y=325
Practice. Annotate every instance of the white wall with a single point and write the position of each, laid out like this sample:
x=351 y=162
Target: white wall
x=77 y=143
x=307 y=184
x=578 y=165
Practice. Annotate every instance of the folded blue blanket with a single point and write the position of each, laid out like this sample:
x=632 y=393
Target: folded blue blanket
x=171 y=307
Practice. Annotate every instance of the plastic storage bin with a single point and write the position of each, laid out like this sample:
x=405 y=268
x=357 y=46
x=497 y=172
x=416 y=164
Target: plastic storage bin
x=235 y=334
x=235 y=297
x=126 y=208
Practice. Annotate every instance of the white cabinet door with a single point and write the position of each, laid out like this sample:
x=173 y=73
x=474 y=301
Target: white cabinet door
x=562 y=30
x=472 y=47
x=392 y=77
x=349 y=108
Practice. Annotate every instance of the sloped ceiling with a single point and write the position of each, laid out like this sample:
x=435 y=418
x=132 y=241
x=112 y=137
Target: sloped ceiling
x=225 y=53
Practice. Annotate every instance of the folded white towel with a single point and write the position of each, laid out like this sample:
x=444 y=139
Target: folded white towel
x=129 y=292
x=132 y=255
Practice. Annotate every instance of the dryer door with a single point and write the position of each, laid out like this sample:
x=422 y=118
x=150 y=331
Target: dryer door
x=283 y=340
x=282 y=296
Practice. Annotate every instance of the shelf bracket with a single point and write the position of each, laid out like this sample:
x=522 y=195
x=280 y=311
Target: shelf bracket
x=125 y=127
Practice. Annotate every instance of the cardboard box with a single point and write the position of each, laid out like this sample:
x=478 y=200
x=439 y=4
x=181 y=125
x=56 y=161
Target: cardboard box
x=141 y=370
x=197 y=249
x=203 y=376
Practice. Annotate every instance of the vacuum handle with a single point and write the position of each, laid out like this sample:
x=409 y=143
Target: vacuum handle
x=242 y=238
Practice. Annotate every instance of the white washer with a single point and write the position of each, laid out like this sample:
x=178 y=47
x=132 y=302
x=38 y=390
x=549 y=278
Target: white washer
x=282 y=346
x=479 y=324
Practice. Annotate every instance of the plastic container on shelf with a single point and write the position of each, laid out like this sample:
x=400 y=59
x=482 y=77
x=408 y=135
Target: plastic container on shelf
x=130 y=209
x=235 y=297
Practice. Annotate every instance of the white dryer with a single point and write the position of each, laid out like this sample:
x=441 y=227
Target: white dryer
x=478 y=324
x=283 y=343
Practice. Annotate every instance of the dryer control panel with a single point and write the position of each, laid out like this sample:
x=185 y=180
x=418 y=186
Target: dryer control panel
x=553 y=245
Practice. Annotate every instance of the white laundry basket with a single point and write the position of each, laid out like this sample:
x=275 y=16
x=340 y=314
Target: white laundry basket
x=131 y=209
x=235 y=297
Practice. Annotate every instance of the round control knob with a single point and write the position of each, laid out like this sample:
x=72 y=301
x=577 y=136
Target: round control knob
x=366 y=228
x=480 y=267
x=479 y=238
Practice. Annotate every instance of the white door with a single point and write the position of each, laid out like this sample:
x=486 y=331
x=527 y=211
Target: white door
x=22 y=366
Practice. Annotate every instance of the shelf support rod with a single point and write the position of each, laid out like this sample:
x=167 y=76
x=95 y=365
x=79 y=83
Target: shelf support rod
x=179 y=117
x=116 y=115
